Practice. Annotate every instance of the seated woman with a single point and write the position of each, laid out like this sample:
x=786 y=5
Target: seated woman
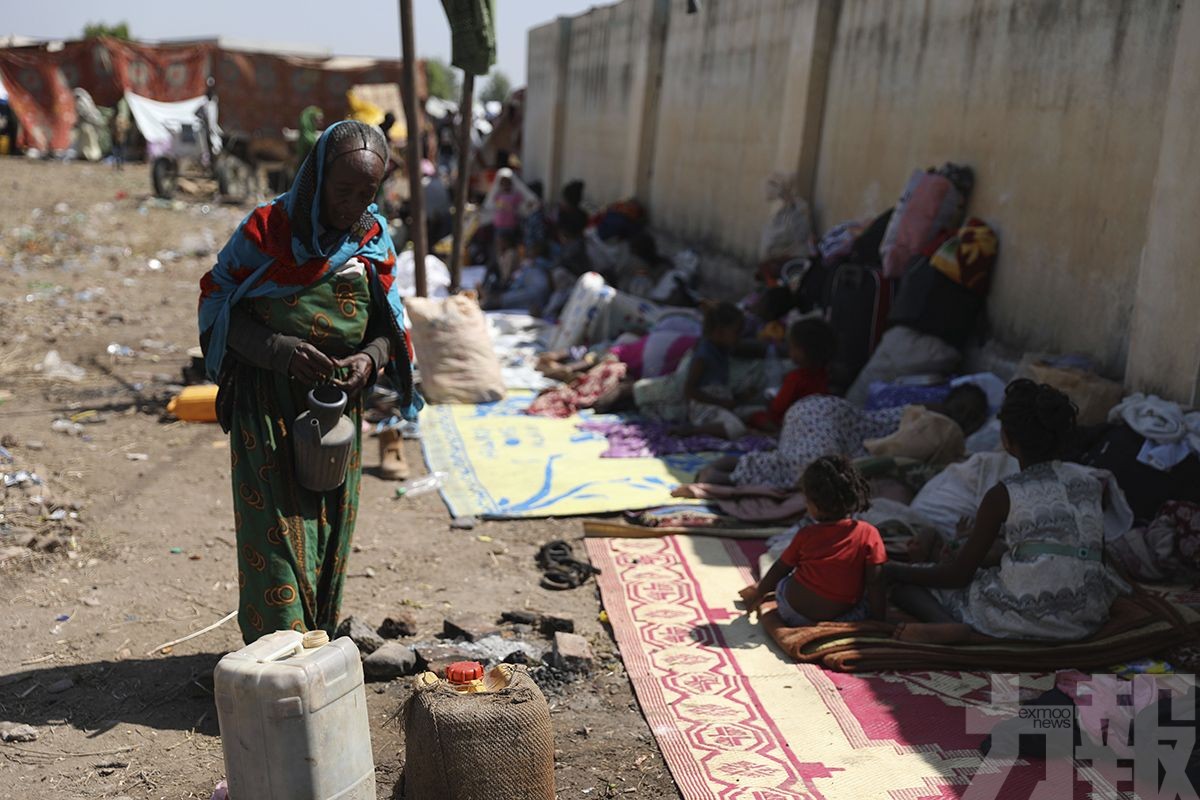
x=822 y=425
x=1051 y=583
x=830 y=570
x=530 y=287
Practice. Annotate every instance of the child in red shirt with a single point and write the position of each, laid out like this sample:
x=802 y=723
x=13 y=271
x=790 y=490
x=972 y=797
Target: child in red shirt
x=831 y=570
x=811 y=346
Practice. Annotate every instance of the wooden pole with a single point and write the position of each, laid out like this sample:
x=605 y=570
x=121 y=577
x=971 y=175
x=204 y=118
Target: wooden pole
x=412 y=115
x=465 y=110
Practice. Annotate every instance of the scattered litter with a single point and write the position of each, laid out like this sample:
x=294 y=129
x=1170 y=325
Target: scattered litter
x=66 y=426
x=425 y=485
x=109 y=767
x=21 y=478
x=154 y=265
x=54 y=368
x=483 y=538
x=62 y=618
x=115 y=351
x=221 y=792
x=138 y=456
x=176 y=550
x=16 y=732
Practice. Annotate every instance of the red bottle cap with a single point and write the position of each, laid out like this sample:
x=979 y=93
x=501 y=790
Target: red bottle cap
x=461 y=672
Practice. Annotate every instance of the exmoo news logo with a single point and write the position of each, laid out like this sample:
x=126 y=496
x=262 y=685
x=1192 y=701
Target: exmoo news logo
x=1100 y=735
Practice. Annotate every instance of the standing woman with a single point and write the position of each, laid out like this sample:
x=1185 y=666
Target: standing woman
x=302 y=295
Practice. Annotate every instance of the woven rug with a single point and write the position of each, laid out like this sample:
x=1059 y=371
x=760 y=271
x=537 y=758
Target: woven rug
x=736 y=720
x=501 y=463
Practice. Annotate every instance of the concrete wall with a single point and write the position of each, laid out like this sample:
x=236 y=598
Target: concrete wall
x=719 y=118
x=605 y=44
x=1057 y=106
x=1164 y=354
x=541 y=148
x=1077 y=116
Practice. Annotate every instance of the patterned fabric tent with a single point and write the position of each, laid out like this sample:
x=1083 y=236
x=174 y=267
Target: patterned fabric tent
x=260 y=93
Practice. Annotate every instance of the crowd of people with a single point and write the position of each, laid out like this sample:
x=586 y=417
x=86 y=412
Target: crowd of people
x=1027 y=562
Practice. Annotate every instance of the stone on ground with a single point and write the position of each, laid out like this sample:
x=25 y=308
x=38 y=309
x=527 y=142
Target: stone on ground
x=391 y=660
x=361 y=634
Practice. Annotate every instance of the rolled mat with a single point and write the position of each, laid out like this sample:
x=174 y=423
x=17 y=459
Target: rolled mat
x=1139 y=625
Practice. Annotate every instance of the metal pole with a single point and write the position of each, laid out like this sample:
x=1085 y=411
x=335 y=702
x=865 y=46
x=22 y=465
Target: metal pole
x=464 y=176
x=412 y=116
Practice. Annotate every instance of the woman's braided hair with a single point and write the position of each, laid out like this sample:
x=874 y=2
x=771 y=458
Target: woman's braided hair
x=352 y=135
x=1037 y=418
x=835 y=487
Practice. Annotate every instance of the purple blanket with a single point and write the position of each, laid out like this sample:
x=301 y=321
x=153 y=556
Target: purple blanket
x=653 y=439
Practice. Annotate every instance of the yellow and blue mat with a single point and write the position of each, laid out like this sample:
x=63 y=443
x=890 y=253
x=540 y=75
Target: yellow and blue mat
x=501 y=463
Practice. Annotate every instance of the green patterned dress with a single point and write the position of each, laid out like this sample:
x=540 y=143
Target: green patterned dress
x=293 y=544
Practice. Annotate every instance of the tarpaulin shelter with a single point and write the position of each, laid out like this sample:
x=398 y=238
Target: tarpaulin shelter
x=260 y=92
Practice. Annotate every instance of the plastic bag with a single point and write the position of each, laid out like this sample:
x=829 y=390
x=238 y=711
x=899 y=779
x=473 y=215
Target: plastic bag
x=788 y=233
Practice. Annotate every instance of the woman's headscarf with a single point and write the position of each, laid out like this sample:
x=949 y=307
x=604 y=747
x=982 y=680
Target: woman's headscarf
x=281 y=248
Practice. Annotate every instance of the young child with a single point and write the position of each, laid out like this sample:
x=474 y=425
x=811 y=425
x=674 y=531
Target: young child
x=706 y=389
x=1051 y=583
x=506 y=215
x=831 y=570
x=811 y=346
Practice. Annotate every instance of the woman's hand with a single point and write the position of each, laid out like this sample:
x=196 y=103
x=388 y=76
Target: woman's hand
x=359 y=368
x=310 y=366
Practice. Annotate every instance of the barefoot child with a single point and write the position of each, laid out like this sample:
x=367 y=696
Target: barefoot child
x=831 y=570
x=1051 y=582
x=710 y=399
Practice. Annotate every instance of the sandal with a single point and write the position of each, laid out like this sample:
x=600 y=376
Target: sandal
x=560 y=569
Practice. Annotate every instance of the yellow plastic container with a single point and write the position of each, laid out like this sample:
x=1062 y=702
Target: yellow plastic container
x=195 y=404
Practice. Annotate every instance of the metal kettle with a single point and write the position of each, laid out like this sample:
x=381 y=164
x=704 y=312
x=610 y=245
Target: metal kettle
x=323 y=440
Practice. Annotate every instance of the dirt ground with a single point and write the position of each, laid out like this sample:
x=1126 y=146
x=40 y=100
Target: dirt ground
x=87 y=260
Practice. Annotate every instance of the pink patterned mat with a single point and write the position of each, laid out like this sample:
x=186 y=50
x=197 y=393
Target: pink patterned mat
x=736 y=720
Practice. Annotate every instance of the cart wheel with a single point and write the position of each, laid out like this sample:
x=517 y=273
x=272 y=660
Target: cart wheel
x=234 y=179
x=164 y=174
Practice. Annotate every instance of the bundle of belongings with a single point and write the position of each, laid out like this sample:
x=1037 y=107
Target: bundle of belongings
x=905 y=290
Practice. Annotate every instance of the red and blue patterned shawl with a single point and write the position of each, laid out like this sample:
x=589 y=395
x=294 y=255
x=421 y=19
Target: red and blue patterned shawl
x=277 y=251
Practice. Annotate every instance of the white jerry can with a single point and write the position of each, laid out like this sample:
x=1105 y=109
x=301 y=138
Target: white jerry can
x=294 y=719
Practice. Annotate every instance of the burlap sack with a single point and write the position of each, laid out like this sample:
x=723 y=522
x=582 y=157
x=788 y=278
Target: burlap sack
x=454 y=351
x=923 y=435
x=494 y=746
x=1094 y=395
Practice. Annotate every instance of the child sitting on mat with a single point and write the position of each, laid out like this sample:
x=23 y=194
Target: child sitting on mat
x=811 y=346
x=831 y=570
x=712 y=406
